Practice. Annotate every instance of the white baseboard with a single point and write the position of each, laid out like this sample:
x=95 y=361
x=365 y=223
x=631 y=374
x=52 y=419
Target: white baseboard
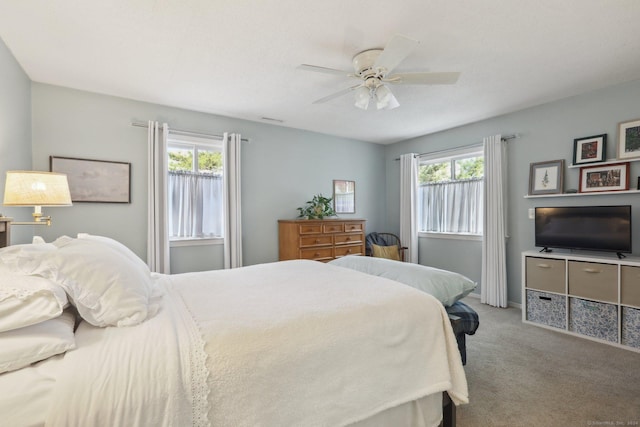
x=509 y=303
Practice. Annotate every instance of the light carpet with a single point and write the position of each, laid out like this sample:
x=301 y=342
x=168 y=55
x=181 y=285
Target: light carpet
x=522 y=375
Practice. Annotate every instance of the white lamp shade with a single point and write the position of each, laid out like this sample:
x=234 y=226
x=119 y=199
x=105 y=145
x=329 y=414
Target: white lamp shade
x=33 y=188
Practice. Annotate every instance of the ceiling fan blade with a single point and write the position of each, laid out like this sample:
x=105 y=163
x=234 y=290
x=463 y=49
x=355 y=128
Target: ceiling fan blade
x=422 y=78
x=398 y=48
x=324 y=70
x=337 y=94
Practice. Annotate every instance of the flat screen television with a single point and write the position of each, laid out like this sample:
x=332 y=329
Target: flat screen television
x=592 y=228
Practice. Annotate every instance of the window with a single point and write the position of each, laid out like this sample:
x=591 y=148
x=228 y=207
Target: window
x=450 y=192
x=195 y=188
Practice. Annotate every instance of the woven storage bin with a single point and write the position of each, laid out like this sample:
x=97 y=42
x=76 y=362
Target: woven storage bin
x=595 y=319
x=546 y=308
x=631 y=327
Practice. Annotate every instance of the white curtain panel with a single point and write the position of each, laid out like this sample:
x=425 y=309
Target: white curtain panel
x=157 y=225
x=451 y=207
x=196 y=205
x=408 y=205
x=494 y=264
x=233 y=206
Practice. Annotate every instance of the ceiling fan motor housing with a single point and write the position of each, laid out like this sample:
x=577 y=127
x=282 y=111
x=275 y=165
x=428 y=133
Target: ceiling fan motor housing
x=364 y=61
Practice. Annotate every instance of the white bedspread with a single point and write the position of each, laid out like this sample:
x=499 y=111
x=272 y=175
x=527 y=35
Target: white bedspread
x=295 y=343
x=141 y=375
x=300 y=343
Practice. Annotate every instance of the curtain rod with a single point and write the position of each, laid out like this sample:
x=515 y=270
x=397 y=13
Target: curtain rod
x=184 y=132
x=504 y=138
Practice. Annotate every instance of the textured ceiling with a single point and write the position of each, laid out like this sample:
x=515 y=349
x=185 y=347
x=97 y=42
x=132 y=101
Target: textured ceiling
x=238 y=58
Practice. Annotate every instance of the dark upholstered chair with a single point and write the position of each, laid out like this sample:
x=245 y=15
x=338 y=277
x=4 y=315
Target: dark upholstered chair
x=384 y=245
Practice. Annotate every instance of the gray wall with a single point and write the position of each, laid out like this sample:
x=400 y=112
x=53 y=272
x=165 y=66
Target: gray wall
x=15 y=132
x=547 y=133
x=281 y=169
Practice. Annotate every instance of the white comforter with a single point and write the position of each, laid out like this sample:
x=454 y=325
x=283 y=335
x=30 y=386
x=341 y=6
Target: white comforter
x=295 y=343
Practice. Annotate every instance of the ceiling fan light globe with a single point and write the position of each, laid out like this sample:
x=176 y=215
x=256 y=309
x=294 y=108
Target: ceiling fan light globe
x=383 y=97
x=362 y=97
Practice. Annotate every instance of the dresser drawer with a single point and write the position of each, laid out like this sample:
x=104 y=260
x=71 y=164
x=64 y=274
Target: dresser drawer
x=346 y=239
x=318 y=254
x=333 y=228
x=593 y=281
x=630 y=285
x=353 y=227
x=546 y=274
x=348 y=250
x=311 y=229
x=319 y=240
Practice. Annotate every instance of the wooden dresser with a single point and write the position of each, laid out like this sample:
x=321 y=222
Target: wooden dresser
x=320 y=240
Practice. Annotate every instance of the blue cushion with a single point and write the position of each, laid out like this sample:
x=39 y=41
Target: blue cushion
x=447 y=286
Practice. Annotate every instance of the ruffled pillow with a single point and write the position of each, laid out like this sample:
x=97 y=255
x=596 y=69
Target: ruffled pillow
x=27 y=300
x=24 y=346
x=125 y=251
x=107 y=287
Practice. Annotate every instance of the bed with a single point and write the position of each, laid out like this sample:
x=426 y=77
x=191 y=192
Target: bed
x=447 y=286
x=89 y=337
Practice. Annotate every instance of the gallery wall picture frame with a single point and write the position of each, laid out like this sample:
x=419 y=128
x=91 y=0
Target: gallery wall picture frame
x=546 y=177
x=95 y=181
x=590 y=149
x=344 y=196
x=629 y=139
x=611 y=177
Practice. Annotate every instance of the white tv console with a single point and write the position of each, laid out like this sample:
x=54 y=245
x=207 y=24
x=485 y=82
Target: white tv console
x=595 y=297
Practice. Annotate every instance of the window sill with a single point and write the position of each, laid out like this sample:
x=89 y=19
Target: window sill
x=177 y=243
x=453 y=236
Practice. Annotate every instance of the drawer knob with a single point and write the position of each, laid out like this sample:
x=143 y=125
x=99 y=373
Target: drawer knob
x=348 y=239
x=545 y=298
x=592 y=270
x=349 y=251
x=317 y=240
x=543 y=265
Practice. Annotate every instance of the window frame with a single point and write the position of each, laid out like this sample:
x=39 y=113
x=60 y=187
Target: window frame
x=195 y=142
x=451 y=156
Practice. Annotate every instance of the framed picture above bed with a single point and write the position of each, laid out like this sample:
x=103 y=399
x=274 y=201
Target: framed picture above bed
x=97 y=181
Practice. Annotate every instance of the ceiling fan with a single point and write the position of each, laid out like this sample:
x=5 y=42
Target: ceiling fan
x=374 y=68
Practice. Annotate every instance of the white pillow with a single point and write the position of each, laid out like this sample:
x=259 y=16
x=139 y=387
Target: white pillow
x=117 y=246
x=10 y=255
x=107 y=288
x=446 y=286
x=24 y=346
x=27 y=300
